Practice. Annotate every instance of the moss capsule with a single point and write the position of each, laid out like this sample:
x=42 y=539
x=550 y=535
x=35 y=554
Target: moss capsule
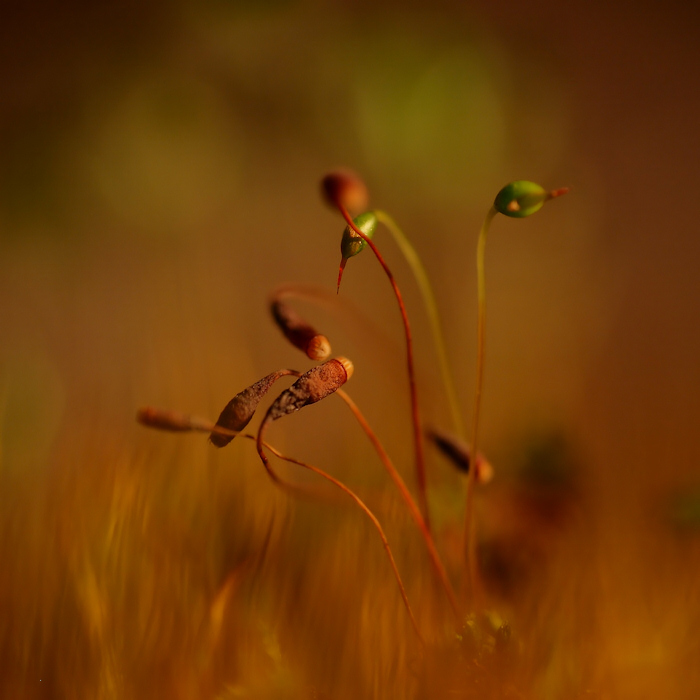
x=344 y=188
x=352 y=243
x=521 y=198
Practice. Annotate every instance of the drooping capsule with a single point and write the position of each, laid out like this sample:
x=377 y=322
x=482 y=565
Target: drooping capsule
x=316 y=384
x=298 y=332
x=344 y=188
x=241 y=408
x=352 y=243
x=173 y=421
x=459 y=453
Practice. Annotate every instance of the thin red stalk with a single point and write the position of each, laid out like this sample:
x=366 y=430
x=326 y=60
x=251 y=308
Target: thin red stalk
x=412 y=507
x=415 y=413
x=168 y=420
x=186 y=423
x=339 y=484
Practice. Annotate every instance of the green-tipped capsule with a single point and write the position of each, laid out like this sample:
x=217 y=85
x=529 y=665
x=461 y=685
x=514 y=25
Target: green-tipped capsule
x=522 y=198
x=352 y=243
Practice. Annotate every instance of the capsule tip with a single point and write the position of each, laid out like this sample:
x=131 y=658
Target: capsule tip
x=484 y=470
x=559 y=192
x=343 y=260
x=319 y=348
x=347 y=366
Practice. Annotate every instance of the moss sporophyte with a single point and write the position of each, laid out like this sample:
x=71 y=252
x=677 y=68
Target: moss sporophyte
x=346 y=192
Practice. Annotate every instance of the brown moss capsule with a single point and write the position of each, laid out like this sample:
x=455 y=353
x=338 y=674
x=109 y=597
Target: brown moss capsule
x=312 y=386
x=241 y=408
x=344 y=188
x=459 y=453
x=299 y=333
x=173 y=421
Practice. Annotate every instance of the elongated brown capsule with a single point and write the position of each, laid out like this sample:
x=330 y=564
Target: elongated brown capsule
x=298 y=332
x=241 y=408
x=173 y=421
x=345 y=188
x=312 y=386
x=460 y=454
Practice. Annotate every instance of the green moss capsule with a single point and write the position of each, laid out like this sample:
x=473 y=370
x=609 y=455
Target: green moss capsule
x=352 y=243
x=521 y=198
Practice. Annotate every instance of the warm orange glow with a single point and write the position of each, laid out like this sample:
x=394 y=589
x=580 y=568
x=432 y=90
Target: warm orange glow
x=159 y=177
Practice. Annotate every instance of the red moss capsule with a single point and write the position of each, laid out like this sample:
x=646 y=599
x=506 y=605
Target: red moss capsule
x=344 y=188
x=241 y=408
x=299 y=333
x=312 y=386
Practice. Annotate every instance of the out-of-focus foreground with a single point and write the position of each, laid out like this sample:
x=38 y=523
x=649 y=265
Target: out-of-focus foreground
x=159 y=178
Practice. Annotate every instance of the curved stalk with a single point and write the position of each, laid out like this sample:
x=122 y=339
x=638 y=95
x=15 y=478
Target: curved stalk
x=411 y=504
x=180 y=422
x=419 y=447
x=174 y=421
x=360 y=503
x=469 y=528
x=426 y=290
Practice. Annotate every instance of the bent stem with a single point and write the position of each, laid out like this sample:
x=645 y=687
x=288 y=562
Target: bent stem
x=174 y=421
x=469 y=524
x=411 y=504
x=415 y=412
x=361 y=504
x=426 y=290
x=181 y=422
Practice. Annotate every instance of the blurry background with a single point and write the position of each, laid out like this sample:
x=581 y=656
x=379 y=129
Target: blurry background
x=159 y=168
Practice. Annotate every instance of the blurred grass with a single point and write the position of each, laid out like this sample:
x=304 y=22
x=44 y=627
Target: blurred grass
x=158 y=180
